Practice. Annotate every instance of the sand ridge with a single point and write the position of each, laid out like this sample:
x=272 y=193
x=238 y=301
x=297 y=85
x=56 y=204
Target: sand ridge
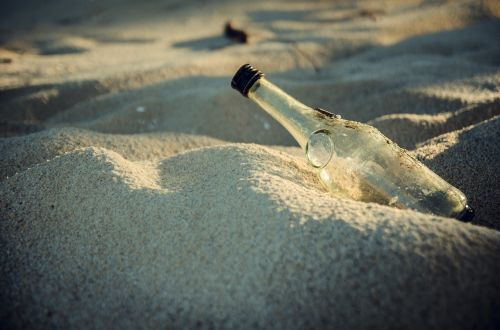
x=288 y=248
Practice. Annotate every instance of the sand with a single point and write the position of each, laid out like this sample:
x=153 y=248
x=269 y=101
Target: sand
x=138 y=190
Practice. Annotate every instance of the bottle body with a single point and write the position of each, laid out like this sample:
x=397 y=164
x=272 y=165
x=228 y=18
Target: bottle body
x=356 y=161
x=364 y=165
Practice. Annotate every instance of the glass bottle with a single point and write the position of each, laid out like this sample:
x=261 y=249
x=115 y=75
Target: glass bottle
x=355 y=160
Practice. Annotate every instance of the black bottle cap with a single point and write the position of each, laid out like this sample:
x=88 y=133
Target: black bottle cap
x=467 y=215
x=244 y=79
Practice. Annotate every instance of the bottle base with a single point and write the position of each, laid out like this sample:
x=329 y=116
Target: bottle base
x=467 y=214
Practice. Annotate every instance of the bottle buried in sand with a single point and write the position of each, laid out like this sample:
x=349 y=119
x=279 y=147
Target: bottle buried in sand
x=355 y=160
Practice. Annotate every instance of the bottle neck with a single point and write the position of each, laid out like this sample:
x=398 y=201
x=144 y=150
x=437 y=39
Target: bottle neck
x=296 y=117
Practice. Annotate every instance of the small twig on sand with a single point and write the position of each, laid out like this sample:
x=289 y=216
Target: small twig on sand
x=235 y=34
x=373 y=14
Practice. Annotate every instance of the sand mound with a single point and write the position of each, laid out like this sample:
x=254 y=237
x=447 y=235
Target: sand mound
x=465 y=157
x=21 y=152
x=410 y=129
x=250 y=241
x=131 y=195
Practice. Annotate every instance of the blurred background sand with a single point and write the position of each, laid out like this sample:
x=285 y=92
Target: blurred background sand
x=139 y=190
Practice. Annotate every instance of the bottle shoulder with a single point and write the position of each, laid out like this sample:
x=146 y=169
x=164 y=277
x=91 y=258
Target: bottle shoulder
x=341 y=123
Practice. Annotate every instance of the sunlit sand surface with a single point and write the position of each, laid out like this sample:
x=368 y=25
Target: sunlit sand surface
x=138 y=190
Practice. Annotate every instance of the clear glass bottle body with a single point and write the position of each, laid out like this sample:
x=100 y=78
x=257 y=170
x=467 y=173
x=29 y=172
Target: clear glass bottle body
x=355 y=160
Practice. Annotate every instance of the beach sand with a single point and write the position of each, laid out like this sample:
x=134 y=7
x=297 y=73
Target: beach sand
x=138 y=190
